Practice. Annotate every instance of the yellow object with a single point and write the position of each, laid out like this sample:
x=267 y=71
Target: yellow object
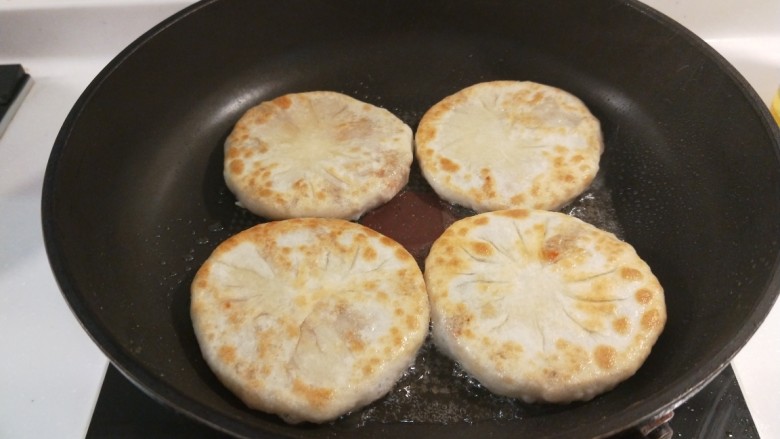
x=775 y=107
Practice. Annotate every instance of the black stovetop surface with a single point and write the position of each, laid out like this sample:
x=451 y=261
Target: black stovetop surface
x=124 y=411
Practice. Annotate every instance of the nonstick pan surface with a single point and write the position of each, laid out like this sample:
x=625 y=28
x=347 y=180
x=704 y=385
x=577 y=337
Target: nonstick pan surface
x=134 y=199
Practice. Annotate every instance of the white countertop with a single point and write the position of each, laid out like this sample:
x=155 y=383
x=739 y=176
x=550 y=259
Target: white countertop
x=51 y=372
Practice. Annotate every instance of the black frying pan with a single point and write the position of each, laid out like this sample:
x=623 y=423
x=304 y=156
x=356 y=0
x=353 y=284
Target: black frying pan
x=134 y=200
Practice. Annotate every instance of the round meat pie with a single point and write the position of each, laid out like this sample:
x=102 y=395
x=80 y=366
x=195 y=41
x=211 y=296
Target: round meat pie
x=317 y=154
x=309 y=318
x=509 y=144
x=541 y=306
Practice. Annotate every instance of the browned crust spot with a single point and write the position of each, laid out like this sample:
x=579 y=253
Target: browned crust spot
x=315 y=396
x=236 y=166
x=507 y=351
x=517 y=199
x=630 y=274
x=200 y=281
x=233 y=153
x=411 y=322
x=354 y=342
x=605 y=356
x=387 y=241
x=227 y=354
x=396 y=336
x=514 y=213
x=257 y=115
x=488 y=311
x=371 y=366
x=621 y=325
x=488 y=184
x=369 y=253
x=448 y=165
x=461 y=318
x=292 y=330
x=479 y=221
x=283 y=102
x=643 y=296
x=425 y=134
x=651 y=319
x=481 y=248
x=402 y=254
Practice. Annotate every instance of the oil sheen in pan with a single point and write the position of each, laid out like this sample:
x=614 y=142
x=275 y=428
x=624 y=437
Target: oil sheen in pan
x=435 y=389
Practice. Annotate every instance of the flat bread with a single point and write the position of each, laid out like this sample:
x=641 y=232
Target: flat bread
x=509 y=144
x=541 y=306
x=309 y=318
x=317 y=154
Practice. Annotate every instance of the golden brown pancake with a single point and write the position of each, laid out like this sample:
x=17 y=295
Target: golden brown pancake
x=509 y=144
x=541 y=306
x=309 y=318
x=316 y=154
